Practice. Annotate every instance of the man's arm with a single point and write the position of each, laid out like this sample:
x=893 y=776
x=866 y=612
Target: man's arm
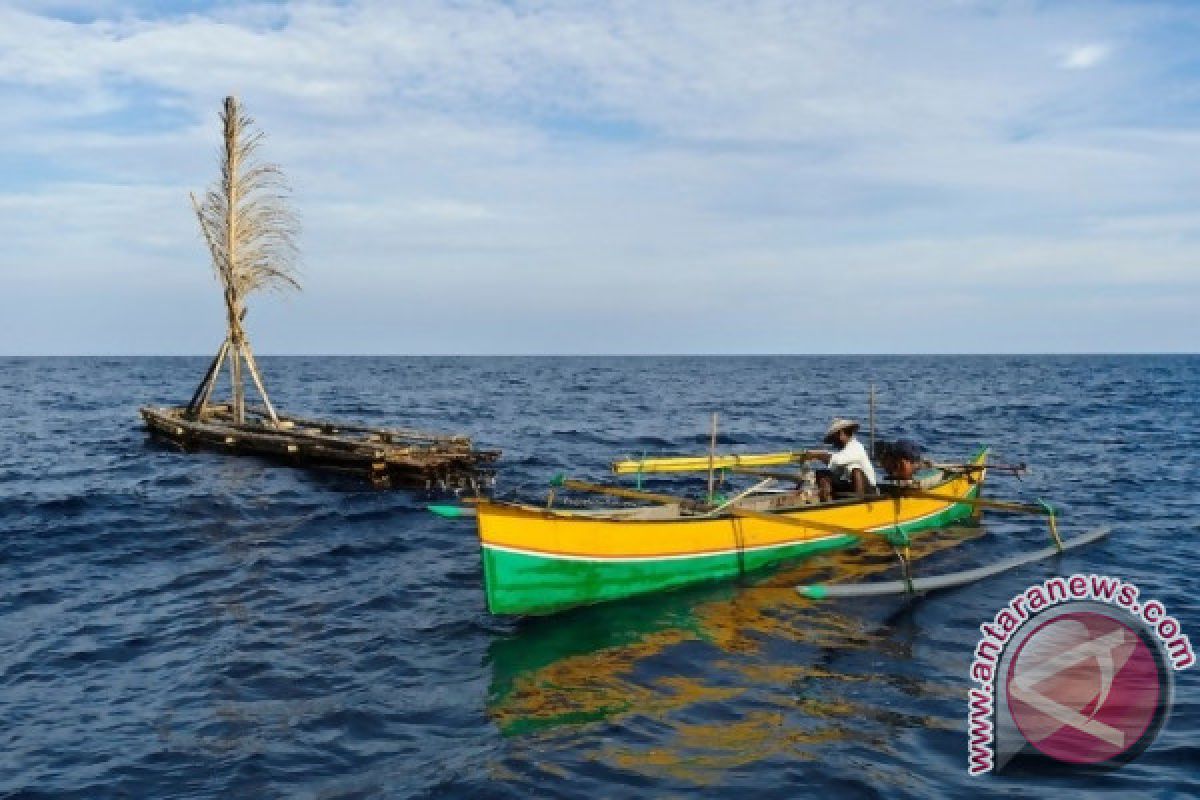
x=851 y=455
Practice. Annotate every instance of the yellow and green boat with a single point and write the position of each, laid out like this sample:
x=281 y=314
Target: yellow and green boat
x=539 y=560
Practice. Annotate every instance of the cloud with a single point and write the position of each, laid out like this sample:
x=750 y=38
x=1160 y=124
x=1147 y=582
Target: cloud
x=1085 y=56
x=589 y=166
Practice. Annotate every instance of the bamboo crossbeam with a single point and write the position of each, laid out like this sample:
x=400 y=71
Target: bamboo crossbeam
x=982 y=502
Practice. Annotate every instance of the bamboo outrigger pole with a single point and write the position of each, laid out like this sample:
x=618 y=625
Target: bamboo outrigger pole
x=250 y=232
x=1041 y=508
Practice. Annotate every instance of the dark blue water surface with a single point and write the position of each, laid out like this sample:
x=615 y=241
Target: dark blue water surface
x=176 y=625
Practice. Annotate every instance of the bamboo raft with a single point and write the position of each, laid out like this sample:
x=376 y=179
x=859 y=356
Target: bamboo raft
x=388 y=457
x=250 y=230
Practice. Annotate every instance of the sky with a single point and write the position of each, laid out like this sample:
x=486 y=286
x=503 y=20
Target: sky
x=700 y=176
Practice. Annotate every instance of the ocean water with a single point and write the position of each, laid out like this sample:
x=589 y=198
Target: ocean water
x=199 y=625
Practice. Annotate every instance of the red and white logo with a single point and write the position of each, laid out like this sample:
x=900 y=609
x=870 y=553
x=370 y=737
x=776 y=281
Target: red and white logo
x=1083 y=687
x=1075 y=670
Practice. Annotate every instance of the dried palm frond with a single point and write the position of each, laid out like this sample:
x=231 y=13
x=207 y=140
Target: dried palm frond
x=245 y=216
x=251 y=231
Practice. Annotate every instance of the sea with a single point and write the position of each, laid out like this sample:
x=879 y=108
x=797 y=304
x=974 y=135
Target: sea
x=200 y=625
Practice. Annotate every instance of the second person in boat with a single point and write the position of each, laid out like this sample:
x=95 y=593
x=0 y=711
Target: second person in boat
x=901 y=459
x=850 y=469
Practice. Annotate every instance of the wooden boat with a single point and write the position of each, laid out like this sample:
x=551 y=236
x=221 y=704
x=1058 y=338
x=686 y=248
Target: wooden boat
x=538 y=560
x=387 y=456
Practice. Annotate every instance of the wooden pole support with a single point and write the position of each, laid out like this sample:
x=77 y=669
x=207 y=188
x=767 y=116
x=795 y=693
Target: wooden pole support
x=258 y=383
x=712 y=455
x=871 y=413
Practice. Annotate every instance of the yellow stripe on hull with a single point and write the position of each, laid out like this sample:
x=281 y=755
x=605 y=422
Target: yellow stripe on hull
x=568 y=535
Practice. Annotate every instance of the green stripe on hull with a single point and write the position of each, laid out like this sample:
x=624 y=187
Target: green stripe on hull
x=520 y=583
x=525 y=583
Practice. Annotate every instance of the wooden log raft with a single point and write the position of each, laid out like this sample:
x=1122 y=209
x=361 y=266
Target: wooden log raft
x=250 y=231
x=389 y=457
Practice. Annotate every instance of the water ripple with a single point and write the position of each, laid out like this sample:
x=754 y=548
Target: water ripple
x=202 y=626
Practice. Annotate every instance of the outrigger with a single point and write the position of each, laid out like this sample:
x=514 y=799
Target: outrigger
x=541 y=559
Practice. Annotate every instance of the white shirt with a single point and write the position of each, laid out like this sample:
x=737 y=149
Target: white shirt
x=852 y=456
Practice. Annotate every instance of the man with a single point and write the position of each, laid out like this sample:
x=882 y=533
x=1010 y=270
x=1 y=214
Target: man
x=900 y=459
x=850 y=468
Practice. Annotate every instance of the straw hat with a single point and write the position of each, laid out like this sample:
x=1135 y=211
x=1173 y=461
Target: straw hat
x=840 y=424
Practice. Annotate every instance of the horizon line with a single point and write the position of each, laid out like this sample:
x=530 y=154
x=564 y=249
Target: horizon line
x=939 y=354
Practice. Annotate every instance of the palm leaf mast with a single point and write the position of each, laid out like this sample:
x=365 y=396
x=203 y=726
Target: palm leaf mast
x=250 y=231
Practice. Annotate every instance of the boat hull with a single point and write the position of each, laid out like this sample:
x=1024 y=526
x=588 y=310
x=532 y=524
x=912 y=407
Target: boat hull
x=540 y=562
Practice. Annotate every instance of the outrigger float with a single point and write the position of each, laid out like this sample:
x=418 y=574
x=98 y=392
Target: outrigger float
x=546 y=559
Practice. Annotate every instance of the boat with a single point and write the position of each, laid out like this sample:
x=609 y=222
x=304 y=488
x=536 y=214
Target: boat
x=540 y=560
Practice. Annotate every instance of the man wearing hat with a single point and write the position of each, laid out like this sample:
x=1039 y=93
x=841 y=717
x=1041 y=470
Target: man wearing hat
x=850 y=467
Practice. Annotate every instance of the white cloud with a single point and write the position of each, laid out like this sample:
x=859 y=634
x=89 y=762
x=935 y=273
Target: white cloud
x=608 y=158
x=1085 y=56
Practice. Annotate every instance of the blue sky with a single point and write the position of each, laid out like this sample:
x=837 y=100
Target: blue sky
x=624 y=177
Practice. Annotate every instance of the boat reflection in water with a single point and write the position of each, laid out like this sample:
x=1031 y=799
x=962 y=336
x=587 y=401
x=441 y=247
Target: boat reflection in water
x=673 y=659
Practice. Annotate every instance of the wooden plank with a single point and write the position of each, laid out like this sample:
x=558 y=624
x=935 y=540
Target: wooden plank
x=218 y=430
